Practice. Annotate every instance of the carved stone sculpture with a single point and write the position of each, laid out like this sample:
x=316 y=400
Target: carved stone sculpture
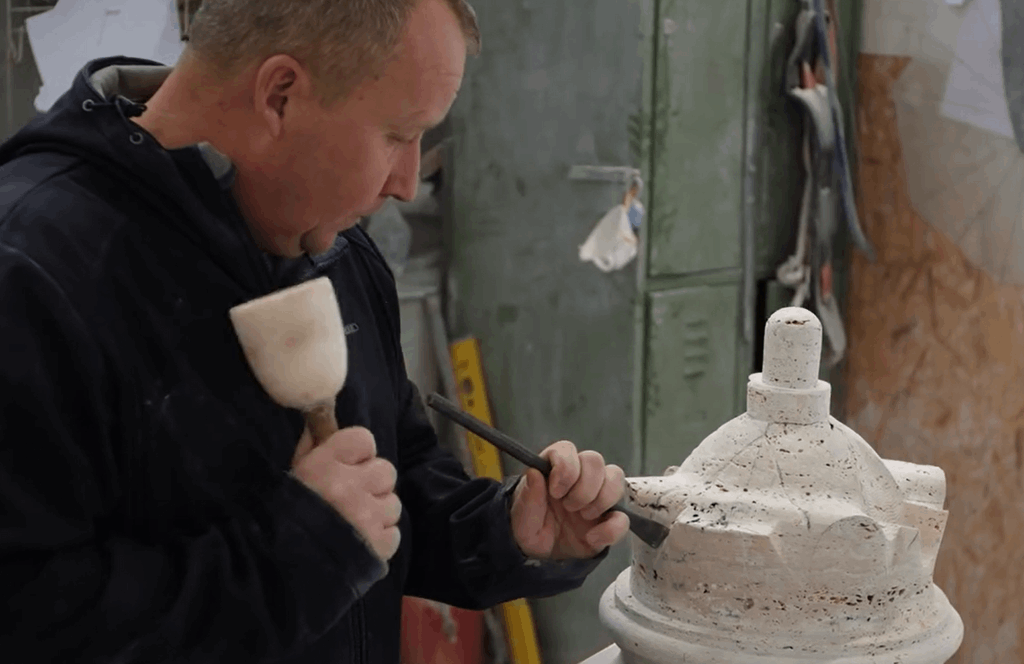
x=791 y=541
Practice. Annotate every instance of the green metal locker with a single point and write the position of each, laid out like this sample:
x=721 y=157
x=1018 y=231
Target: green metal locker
x=640 y=364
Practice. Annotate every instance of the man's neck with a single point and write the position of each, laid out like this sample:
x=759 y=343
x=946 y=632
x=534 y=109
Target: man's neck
x=179 y=115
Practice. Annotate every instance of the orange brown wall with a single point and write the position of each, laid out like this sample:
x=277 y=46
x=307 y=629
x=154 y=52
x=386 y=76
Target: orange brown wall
x=935 y=375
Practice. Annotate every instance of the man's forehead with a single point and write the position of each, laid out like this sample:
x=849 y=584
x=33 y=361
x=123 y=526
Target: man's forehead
x=419 y=85
x=422 y=108
x=421 y=118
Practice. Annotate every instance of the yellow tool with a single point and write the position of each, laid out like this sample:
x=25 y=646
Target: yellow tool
x=469 y=378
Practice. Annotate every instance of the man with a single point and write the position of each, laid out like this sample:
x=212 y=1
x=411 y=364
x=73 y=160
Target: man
x=155 y=504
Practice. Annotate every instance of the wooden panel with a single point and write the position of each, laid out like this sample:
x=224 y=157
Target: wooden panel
x=699 y=94
x=556 y=84
x=935 y=374
x=691 y=370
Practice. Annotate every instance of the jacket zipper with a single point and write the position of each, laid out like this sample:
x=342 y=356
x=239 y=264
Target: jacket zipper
x=359 y=651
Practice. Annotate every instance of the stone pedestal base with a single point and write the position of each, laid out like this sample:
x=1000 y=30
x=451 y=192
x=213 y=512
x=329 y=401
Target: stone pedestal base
x=646 y=637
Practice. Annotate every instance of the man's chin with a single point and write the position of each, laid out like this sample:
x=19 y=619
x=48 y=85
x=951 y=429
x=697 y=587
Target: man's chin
x=280 y=247
x=318 y=246
x=320 y=240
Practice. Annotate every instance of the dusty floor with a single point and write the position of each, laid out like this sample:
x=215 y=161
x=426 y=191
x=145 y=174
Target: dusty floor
x=936 y=376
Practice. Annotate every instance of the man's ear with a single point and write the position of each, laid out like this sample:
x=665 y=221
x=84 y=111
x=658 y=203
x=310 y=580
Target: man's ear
x=279 y=81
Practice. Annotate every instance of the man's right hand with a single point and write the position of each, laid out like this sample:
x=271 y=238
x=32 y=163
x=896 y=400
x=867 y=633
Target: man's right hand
x=346 y=472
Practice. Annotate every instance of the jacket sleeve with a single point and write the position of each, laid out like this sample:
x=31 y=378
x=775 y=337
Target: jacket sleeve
x=463 y=551
x=74 y=588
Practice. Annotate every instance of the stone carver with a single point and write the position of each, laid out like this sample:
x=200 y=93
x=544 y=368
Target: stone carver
x=156 y=504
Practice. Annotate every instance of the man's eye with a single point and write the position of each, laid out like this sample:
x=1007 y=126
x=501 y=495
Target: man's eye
x=404 y=140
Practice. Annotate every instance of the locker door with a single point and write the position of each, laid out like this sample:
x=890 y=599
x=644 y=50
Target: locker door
x=697 y=151
x=691 y=370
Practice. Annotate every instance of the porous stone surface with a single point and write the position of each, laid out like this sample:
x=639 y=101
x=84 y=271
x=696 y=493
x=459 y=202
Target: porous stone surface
x=791 y=539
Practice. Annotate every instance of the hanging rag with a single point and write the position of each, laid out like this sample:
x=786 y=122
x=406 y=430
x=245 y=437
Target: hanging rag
x=811 y=74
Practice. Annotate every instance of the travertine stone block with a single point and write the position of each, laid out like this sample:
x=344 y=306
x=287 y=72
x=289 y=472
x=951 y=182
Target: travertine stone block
x=791 y=541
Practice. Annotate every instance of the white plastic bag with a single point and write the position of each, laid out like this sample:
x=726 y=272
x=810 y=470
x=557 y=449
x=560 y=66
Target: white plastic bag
x=612 y=244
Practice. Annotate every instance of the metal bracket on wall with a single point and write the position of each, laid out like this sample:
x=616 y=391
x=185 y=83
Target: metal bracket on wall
x=14 y=47
x=186 y=10
x=624 y=175
x=619 y=174
x=16 y=52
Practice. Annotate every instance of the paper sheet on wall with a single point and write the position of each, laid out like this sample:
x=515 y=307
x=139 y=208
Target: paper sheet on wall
x=974 y=90
x=74 y=32
x=911 y=28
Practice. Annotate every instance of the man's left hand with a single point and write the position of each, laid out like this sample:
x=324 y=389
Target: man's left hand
x=564 y=516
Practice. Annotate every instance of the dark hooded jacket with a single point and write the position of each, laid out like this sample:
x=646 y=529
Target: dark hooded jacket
x=146 y=509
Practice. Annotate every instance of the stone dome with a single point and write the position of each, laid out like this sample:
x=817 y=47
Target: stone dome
x=791 y=539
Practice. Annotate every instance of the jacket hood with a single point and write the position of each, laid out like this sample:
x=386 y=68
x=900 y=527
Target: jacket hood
x=191 y=185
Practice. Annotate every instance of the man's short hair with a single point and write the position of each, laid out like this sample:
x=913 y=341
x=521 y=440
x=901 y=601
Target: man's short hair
x=341 y=42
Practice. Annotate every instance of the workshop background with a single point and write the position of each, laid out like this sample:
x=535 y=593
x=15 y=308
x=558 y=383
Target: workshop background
x=518 y=303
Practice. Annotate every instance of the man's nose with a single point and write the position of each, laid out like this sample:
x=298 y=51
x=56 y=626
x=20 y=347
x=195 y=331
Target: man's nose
x=405 y=178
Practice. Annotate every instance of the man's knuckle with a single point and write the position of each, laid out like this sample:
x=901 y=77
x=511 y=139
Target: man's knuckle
x=359 y=438
x=394 y=508
x=383 y=476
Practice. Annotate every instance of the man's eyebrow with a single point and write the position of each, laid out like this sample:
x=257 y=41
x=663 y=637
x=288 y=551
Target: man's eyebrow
x=420 y=125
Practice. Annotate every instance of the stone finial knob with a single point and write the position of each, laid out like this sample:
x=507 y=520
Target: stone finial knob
x=792 y=349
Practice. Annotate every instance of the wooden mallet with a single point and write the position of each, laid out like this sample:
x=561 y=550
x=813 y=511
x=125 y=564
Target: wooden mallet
x=294 y=341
